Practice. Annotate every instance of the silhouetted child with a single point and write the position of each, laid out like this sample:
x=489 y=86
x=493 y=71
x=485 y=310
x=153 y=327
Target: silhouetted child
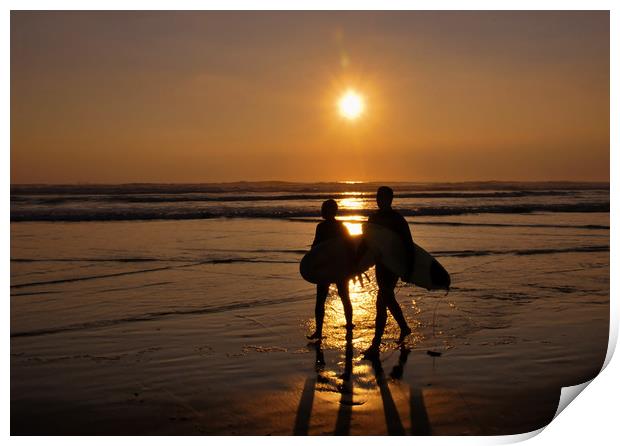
x=328 y=229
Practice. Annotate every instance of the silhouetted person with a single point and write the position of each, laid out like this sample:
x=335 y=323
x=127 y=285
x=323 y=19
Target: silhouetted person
x=328 y=229
x=386 y=279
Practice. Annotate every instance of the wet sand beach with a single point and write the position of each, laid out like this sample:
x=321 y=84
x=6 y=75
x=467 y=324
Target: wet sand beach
x=198 y=327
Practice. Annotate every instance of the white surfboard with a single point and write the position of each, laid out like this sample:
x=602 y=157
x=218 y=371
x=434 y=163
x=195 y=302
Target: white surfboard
x=419 y=267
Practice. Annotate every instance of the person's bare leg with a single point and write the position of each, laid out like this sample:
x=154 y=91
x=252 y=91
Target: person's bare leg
x=319 y=310
x=397 y=312
x=343 y=291
x=388 y=283
x=380 y=321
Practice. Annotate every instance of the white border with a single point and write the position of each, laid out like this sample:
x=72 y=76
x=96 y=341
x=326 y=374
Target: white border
x=592 y=419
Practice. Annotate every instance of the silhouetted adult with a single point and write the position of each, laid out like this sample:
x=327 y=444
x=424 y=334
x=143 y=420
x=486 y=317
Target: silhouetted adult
x=327 y=229
x=386 y=279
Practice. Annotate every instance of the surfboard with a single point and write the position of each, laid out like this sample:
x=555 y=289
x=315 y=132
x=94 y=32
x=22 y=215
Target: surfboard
x=415 y=266
x=334 y=260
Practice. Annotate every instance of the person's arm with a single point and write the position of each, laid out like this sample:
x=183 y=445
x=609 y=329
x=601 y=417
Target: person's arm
x=405 y=231
x=408 y=239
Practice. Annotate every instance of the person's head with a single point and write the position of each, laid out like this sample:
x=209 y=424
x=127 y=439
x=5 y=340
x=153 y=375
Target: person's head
x=384 y=197
x=329 y=209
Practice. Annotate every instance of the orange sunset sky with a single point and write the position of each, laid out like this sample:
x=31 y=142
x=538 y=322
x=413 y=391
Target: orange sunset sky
x=110 y=97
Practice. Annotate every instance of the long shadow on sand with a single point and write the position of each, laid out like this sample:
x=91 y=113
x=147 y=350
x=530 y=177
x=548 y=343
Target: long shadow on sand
x=419 y=418
x=343 y=421
x=304 y=411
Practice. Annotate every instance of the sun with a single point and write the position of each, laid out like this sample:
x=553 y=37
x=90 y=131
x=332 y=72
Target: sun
x=351 y=105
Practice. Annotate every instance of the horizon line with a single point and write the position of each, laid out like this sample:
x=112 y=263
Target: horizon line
x=349 y=182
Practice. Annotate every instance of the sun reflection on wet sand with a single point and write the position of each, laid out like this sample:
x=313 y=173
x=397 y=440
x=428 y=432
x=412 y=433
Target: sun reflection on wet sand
x=363 y=295
x=357 y=387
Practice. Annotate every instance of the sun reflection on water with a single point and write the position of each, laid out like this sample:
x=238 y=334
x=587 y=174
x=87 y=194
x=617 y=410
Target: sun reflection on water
x=354 y=228
x=353 y=202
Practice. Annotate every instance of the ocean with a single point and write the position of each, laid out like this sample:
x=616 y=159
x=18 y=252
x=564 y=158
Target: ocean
x=280 y=200
x=179 y=309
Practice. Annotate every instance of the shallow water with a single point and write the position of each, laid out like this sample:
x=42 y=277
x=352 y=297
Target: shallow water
x=198 y=326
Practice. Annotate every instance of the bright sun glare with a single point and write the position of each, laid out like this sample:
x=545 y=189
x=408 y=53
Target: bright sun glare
x=351 y=105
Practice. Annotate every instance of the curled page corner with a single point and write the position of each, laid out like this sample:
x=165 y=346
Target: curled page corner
x=568 y=394
x=517 y=438
x=613 y=334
